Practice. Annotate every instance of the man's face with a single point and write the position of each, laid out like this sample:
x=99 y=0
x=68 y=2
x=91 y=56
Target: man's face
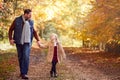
x=28 y=16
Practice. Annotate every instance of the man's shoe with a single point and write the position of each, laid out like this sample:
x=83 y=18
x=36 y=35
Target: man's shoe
x=24 y=77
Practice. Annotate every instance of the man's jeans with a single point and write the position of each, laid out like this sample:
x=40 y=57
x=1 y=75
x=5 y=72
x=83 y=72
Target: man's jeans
x=23 y=57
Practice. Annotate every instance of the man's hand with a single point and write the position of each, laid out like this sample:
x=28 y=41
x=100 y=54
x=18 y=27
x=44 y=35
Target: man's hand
x=38 y=43
x=12 y=42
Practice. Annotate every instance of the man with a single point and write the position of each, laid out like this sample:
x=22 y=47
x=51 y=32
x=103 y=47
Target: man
x=22 y=37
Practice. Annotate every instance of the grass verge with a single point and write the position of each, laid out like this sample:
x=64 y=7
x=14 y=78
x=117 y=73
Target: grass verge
x=7 y=63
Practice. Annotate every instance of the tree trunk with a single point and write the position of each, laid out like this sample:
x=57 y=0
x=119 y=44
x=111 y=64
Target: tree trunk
x=102 y=46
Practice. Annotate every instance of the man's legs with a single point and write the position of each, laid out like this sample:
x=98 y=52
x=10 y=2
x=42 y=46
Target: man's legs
x=20 y=56
x=23 y=57
x=26 y=55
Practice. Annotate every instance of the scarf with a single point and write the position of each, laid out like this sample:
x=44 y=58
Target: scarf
x=25 y=38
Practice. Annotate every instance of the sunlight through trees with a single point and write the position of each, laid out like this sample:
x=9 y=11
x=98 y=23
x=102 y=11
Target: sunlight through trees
x=81 y=23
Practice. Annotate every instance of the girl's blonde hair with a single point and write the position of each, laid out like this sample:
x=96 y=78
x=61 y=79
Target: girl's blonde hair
x=53 y=34
x=56 y=36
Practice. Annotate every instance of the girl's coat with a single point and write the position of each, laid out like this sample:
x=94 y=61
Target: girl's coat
x=60 y=52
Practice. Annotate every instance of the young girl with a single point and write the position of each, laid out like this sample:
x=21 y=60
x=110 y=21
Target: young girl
x=55 y=54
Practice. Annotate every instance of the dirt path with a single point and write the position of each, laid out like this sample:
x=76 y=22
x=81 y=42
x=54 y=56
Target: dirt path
x=75 y=68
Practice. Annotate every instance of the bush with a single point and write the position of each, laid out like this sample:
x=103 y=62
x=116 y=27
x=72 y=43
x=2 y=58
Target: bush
x=113 y=46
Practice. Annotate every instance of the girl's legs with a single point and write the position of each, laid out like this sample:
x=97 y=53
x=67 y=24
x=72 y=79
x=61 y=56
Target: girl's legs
x=53 y=69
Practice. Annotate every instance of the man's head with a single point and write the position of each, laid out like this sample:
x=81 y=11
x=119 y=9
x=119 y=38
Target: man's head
x=27 y=13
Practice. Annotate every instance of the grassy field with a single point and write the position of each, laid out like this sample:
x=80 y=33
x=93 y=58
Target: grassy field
x=7 y=63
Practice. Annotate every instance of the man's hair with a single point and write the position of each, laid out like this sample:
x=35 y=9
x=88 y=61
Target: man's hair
x=27 y=11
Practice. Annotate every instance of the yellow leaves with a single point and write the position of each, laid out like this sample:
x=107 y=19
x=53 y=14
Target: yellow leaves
x=85 y=9
x=98 y=16
x=50 y=12
x=101 y=22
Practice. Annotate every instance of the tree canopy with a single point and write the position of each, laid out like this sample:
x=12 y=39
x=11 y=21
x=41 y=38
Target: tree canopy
x=77 y=22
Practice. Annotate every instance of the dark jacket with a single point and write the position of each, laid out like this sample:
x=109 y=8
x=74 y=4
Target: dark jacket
x=17 y=27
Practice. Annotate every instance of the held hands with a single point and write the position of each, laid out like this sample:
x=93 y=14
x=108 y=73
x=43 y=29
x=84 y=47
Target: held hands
x=40 y=45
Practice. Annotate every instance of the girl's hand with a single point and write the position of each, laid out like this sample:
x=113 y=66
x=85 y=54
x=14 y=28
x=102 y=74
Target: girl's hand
x=41 y=45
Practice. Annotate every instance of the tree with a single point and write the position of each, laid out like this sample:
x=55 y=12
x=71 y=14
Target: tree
x=103 y=21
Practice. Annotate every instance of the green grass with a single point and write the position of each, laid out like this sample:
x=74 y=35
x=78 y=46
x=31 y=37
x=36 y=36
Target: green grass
x=7 y=63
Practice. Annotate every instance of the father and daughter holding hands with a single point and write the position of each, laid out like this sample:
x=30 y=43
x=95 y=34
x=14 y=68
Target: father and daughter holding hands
x=23 y=28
